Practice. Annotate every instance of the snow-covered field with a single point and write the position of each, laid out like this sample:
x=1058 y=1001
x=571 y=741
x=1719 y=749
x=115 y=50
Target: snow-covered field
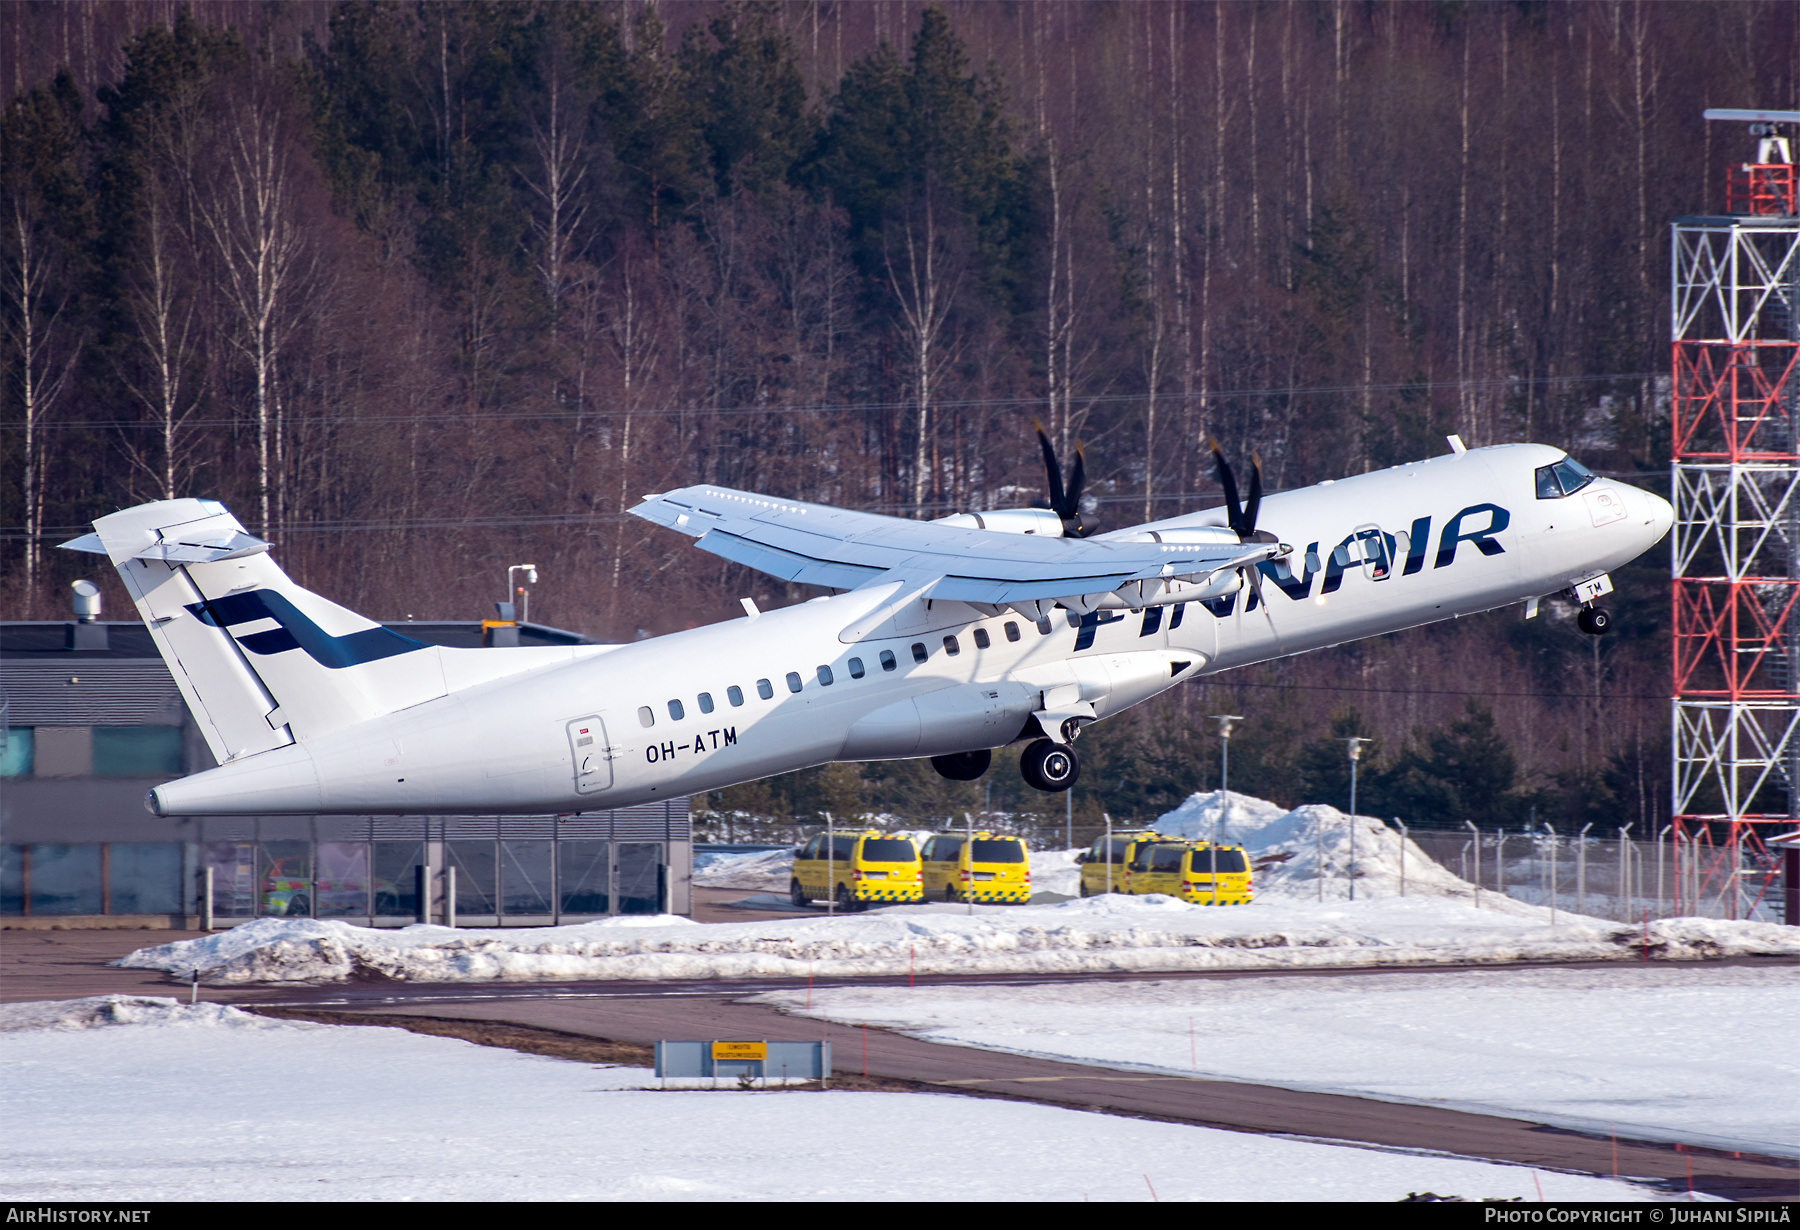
x=135 y=1099
x=1591 y=1050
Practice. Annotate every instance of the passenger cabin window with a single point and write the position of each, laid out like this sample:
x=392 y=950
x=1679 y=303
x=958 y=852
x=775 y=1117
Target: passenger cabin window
x=856 y=668
x=1012 y=631
x=1562 y=478
x=735 y=695
x=706 y=702
x=676 y=712
x=645 y=717
x=981 y=638
x=887 y=660
x=919 y=654
x=793 y=681
x=1044 y=626
x=764 y=689
x=825 y=679
x=951 y=647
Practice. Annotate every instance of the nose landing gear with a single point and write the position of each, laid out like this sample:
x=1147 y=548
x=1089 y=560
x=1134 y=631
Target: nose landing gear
x=1593 y=620
x=1051 y=767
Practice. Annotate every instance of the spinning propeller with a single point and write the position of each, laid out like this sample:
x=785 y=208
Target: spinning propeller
x=1064 y=502
x=1241 y=517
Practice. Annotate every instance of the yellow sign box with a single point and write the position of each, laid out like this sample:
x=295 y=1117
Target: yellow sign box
x=739 y=1051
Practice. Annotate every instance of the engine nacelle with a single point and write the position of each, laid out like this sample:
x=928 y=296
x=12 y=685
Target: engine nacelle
x=1040 y=521
x=1181 y=534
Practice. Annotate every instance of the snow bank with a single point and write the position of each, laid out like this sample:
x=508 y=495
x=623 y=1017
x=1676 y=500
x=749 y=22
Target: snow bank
x=762 y=871
x=1109 y=933
x=99 y=1011
x=332 y=1113
x=1288 y=847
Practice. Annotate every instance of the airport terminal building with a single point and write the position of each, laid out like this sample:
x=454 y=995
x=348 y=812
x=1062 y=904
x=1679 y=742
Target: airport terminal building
x=93 y=719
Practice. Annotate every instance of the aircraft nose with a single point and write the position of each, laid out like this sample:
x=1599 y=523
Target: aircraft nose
x=1658 y=516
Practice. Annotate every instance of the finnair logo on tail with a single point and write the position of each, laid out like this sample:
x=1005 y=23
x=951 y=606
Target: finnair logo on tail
x=297 y=631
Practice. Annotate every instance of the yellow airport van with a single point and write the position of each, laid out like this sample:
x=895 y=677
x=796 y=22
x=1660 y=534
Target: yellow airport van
x=1188 y=871
x=856 y=869
x=982 y=868
x=1104 y=870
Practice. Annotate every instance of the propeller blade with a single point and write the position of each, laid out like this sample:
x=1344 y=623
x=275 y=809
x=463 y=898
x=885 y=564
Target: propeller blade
x=1234 y=511
x=1255 y=503
x=1071 y=511
x=1052 y=469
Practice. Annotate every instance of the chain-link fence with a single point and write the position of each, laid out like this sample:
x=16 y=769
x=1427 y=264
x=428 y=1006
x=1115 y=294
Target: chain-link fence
x=1612 y=876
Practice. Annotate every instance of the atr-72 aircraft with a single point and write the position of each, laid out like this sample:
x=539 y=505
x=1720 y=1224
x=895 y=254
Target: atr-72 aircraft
x=950 y=638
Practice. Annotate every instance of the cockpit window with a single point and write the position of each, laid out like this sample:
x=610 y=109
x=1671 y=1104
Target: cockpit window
x=1565 y=477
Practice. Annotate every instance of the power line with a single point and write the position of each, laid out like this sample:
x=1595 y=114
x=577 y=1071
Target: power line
x=1212 y=681
x=844 y=408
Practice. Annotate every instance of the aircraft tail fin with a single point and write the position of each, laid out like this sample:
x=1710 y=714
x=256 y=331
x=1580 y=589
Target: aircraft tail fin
x=260 y=661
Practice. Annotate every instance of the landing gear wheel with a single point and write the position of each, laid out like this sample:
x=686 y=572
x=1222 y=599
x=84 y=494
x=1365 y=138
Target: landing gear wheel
x=1051 y=767
x=1593 y=621
x=798 y=896
x=963 y=766
x=845 y=903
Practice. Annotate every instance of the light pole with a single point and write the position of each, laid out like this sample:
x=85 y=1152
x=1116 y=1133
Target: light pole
x=1225 y=721
x=518 y=594
x=1353 y=746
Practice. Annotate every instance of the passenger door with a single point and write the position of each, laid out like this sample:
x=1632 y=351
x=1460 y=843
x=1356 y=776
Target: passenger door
x=593 y=756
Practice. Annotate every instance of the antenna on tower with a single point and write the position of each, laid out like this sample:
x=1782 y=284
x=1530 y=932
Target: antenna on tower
x=1765 y=186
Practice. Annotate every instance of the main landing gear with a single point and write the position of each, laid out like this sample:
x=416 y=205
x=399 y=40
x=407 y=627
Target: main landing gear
x=1593 y=620
x=1048 y=766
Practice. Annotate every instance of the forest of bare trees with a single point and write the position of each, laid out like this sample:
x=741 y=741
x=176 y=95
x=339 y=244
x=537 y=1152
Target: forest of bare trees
x=425 y=289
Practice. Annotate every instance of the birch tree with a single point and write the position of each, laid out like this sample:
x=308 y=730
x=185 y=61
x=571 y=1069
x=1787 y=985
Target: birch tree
x=249 y=213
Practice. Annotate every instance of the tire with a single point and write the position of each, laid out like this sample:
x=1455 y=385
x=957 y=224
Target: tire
x=845 y=903
x=1594 y=621
x=949 y=894
x=1083 y=889
x=1050 y=767
x=963 y=766
x=798 y=896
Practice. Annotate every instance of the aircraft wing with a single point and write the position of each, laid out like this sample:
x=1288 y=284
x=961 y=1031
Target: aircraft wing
x=819 y=545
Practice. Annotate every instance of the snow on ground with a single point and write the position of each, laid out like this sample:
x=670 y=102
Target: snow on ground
x=1437 y=921
x=1591 y=1050
x=132 y=1099
x=763 y=871
x=1108 y=933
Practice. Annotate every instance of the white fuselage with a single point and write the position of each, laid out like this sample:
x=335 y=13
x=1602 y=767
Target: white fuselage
x=598 y=728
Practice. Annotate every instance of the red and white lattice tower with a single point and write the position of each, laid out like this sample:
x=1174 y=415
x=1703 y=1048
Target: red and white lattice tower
x=1735 y=472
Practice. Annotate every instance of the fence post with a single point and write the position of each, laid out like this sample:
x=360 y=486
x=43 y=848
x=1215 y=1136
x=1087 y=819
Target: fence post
x=1402 y=824
x=422 y=893
x=1581 y=868
x=1500 y=864
x=1470 y=825
x=1625 y=872
x=1550 y=833
x=450 y=896
x=1659 y=866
